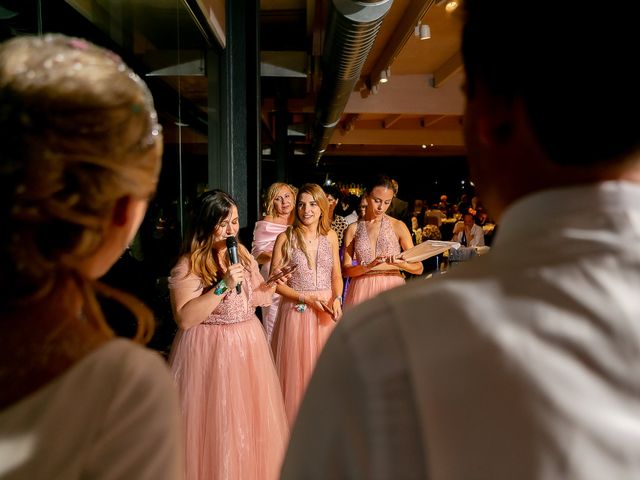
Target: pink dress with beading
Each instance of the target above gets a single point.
(234, 419)
(264, 237)
(366, 286)
(300, 336)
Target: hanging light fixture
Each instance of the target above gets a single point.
(423, 31)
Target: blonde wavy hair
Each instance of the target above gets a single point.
(212, 208)
(293, 233)
(78, 132)
(272, 193)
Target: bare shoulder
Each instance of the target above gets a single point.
(398, 225)
(351, 229)
(332, 236)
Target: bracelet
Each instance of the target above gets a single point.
(301, 306)
(221, 287)
(339, 298)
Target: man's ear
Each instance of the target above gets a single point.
(496, 124)
(121, 211)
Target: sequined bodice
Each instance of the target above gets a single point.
(304, 278)
(234, 307)
(386, 245)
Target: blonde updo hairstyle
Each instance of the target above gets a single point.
(79, 132)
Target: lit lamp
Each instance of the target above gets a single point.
(384, 76)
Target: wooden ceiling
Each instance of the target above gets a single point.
(418, 112)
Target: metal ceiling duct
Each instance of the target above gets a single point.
(352, 28)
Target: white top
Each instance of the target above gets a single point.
(352, 217)
(520, 364)
(477, 234)
(113, 415)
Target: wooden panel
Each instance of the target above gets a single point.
(215, 12)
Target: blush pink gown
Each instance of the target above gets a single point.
(300, 336)
(234, 419)
(366, 286)
(264, 237)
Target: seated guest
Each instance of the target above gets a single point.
(434, 216)
(468, 233)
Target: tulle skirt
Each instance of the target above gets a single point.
(235, 424)
(297, 342)
(365, 287)
(269, 314)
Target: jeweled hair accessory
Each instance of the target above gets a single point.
(155, 129)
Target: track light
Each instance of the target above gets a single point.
(425, 32)
(384, 78)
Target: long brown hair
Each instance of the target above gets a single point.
(212, 207)
(294, 232)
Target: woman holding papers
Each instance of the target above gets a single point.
(373, 247)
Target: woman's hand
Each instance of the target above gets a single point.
(375, 262)
(337, 309)
(234, 275)
(315, 303)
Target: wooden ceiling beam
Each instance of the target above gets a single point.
(390, 120)
(382, 136)
(349, 122)
(426, 124)
(445, 71)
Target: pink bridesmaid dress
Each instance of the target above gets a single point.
(264, 237)
(366, 286)
(234, 418)
(300, 335)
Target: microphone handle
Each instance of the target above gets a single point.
(233, 257)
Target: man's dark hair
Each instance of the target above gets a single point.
(572, 65)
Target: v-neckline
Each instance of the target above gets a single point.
(315, 262)
(373, 251)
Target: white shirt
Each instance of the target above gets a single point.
(352, 217)
(477, 235)
(520, 364)
(113, 415)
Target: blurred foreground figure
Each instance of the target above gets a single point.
(523, 363)
(80, 156)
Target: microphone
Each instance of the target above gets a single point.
(232, 248)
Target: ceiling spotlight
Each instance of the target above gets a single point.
(424, 146)
(374, 89)
(451, 6)
(425, 32)
(384, 78)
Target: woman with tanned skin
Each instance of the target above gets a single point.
(373, 246)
